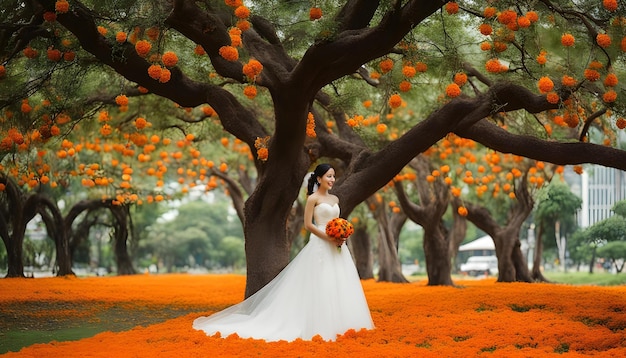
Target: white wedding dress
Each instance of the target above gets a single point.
(319, 292)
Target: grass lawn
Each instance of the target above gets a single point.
(151, 316)
(586, 278)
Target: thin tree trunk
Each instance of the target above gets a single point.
(593, 260)
(536, 273)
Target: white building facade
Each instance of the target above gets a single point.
(599, 188)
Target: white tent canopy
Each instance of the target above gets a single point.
(482, 243)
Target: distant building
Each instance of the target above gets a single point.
(599, 188)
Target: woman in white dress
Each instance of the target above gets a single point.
(318, 293)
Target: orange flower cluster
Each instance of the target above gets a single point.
(567, 40)
(310, 126)
(229, 53)
(404, 86)
(121, 37)
(13, 137)
(386, 65)
(409, 71)
(121, 100)
(143, 47)
(315, 13)
(541, 58)
(169, 59)
(485, 29)
(252, 69)
(495, 66)
(421, 67)
(54, 54)
(233, 3)
(610, 81)
(460, 78)
(568, 81)
(243, 25)
(490, 12)
(61, 6)
(523, 22)
(141, 123)
(250, 91)
(50, 16)
(412, 320)
(453, 90)
(507, 17)
(610, 5)
(261, 148)
(30, 52)
(395, 100)
(452, 7)
(153, 33)
(242, 12)
(591, 74)
(603, 40)
(339, 228)
(578, 169)
(199, 50)
(609, 96)
(545, 84)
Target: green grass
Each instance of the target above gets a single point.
(569, 278)
(586, 278)
(14, 340)
(25, 323)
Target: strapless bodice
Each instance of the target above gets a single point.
(324, 212)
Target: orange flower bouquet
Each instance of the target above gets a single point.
(339, 229)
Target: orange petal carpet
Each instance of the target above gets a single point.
(478, 318)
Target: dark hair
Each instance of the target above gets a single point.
(319, 171)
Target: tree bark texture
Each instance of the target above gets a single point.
(361, 249)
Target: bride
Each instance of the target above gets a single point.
(318, 293)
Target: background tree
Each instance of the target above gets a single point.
(609, 236)
(615, 251)
(556, 216)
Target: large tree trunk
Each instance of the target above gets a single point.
(122, 258)
(267, 213)
(437, 252)
(12, 225)
(52, 217)
(15, 261)
(361, 249)
(512, 265)
(434, 199)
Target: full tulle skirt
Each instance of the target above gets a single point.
(318, 293)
